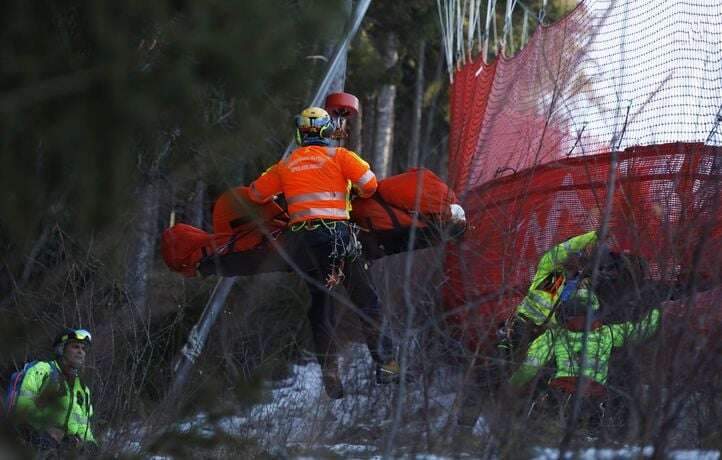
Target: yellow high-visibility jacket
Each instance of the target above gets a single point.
(549, 280)
(48, 400)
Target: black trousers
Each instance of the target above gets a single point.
(322, 253)
(488, 376)
(48, 448)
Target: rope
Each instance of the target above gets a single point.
(508, 31)
(459, 35)
(461, 29)
(487, 30)
(474, 16)
(444, 8)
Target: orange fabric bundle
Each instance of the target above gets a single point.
(396, 199)
(184, 246)
(401, 190)
(241, 225)
(234, 212)
(374, 214)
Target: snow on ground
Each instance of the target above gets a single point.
(299, 412)
(629, 452)
(297, 416)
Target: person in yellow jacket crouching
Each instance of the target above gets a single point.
(48, 402)
(563, 272)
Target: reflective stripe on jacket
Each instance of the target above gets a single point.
(316, 182)
(45, 403)
(548, 282)
(565, 347)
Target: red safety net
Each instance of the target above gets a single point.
(531, 136)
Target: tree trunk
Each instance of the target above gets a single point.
(196, 212)
(384, 136)
(35, 254)
(441, 156)
(146, 235)
(356, 129)
(413, 156)
(431, 113)
(368, 127)
(146, 229)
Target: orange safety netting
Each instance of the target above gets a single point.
(531, 136)
(665, 208)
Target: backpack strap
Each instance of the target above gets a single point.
(71, 402)
(55, 371)
(54, 375)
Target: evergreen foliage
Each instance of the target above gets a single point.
(90, 89)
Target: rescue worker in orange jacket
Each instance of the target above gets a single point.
(316, 180)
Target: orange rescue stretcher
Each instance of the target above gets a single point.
(247, 238)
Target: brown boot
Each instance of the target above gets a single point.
(332, 382)
(388, 373)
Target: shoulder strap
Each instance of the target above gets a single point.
(392, 215)
(83, 386)
(71, 400)
(55, 368)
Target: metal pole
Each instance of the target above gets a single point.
(338, 58)
(199, 334)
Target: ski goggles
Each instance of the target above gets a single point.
(79, 335)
